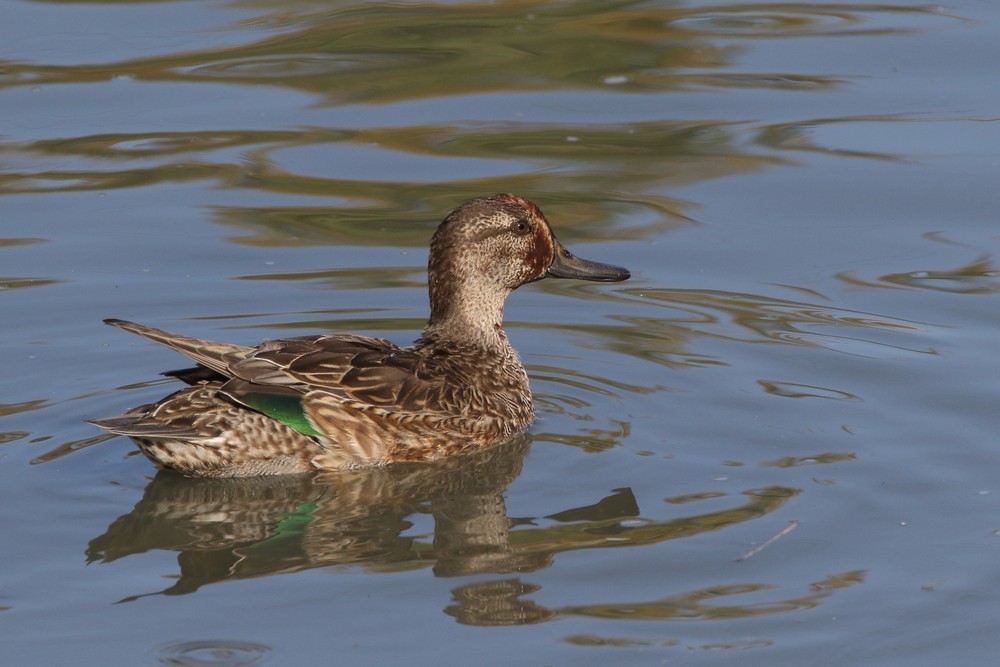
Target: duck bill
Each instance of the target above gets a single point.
(567, 265)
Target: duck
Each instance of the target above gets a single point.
(342, 401)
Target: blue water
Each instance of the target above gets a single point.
(804, 192)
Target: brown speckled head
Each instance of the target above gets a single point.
(487, 248)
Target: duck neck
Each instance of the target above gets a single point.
(467, 312)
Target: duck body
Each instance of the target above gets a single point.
(342, 401)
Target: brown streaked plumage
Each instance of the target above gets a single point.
(338, 401)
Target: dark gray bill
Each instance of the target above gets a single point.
(567, 265)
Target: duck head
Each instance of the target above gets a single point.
(486, 248)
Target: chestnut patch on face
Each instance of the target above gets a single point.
(539, 257)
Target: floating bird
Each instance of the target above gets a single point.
(342, 401)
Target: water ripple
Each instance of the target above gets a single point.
(213, 653)
(770, 20)
(411, 52)
(724, 315)
(281, 67)
(978, 277)
(796, 390)
(702, 604)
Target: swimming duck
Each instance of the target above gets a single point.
(342, 401)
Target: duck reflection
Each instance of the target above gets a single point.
(497, 603)
(238, 528)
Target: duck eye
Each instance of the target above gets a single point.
(521, 228)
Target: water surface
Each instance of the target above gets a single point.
(804, 192)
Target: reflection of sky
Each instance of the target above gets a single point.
(910, 137)
(373, 163)
(93, 33)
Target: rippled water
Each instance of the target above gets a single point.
(776, 444)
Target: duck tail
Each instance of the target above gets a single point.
(213, 355)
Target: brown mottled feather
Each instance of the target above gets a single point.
(196, 432)
(368, 401)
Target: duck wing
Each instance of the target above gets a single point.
(350, 368)
(345, 372)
